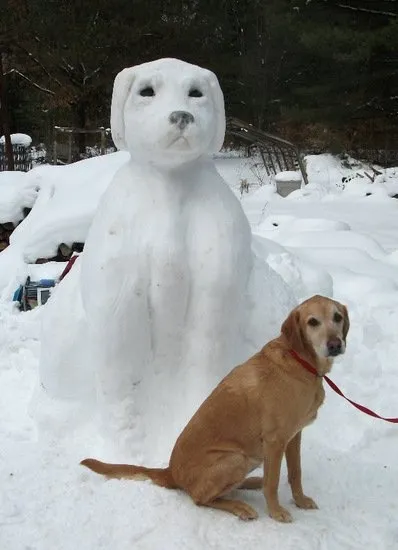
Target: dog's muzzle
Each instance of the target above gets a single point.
(181, 119)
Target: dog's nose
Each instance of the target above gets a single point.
(181, 119)
(334, 346)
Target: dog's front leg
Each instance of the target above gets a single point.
(272, 468)
(293, 460)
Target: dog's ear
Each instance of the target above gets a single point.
(218, 101)
(121, 89)
(293, 333)
(346, 322)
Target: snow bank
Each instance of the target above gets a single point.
(66, 203)
(63, 201)
(17, 191)
(333, 174)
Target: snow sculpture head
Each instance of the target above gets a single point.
(167, 112)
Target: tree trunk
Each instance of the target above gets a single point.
(4, 117)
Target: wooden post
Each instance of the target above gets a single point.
(55, 152)
(69, 147)
(4, 116)
(102, 141)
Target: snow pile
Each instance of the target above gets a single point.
(18, 139)
(63, 201)
(68, 198)
(17, 191)
(333, 174)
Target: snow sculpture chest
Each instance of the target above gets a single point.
(168, 257)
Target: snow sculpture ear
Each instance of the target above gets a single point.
(218, 102)
(121, 89)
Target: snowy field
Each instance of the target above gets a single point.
(329, 238)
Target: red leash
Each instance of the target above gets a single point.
(335, 388)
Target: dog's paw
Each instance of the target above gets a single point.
(281, 514)
(306, 503)
(246, 512)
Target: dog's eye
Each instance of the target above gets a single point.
(194, 92)
(313, 322)
(337, 318)
(148, 91)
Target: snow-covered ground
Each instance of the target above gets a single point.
(333, 238)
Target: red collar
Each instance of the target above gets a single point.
(336, 389)
(305, 364)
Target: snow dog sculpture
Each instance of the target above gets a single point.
(168, 256)
(165, 272)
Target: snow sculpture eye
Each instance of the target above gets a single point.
(195, 92)
(148, 91)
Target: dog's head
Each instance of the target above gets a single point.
(167, 112)
(318, 326)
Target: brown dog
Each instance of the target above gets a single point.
(255, 415)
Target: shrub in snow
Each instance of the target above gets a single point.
(167, 270)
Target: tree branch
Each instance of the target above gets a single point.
(39, 63)
(366, 10)
(34, 84)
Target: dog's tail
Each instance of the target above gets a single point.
(159, 476)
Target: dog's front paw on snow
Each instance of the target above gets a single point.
(306, 503)
(246, 512)
(281, 514)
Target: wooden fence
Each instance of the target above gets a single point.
(22, 158)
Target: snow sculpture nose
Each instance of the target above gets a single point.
(181, 118)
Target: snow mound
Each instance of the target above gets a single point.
(62, 199)
(65, 205)
(18, 139)
(350, 177)
(334, 239)
(295, 225)
(17, 191)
